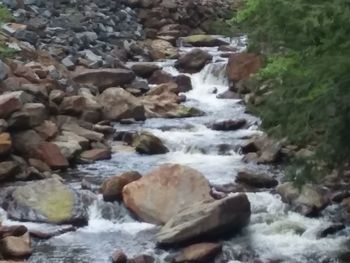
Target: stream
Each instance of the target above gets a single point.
(274, 234)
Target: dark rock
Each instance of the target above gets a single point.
(256, 179)
(229, 125)
(193, 61)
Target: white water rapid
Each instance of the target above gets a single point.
(274, 234)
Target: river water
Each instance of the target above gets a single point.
(275, 234)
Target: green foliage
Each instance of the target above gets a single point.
(5, 16)
(307, 43)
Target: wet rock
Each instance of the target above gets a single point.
(119, 257)
(309, 200)
(206, 220)
(31, 115)
(95, 155)
(241, 65)
(50, 234)
(112, 188)
(228, 125)
(105, 78)
(48, 201)
(165, 191)
(203, 41)
(256, 179)
(144, 70)
(119, 104)
(5, 143)
(142, 259)
(228, 95)
(147, 143)
(184, 83)
(17, 231)
(16, 246)
(331, 229)
(267, 149)
(159, 77)
(202, 252)
(193, 61)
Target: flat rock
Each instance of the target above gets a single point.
(206, 220)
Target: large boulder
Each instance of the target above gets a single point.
(105, 78)
(147, 143)
(165, 191)
(47, 201)
(241, 65)
(119, 104)
(205, 220)
(161, 49)
(203, 41)
(193, 61)
(112, 188)
(307, 200)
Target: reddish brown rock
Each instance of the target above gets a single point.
(11, 102)
(241, 65)
(51, 155)
(159, 77)
(165, 191)
(73, 105)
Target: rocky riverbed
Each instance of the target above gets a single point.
(125, 138)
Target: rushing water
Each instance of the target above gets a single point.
(274, 232)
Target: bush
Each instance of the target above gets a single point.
(307, 43)
(5, 16)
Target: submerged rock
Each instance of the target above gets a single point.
(147, 143)
(258, 180)
(48, 201)
(193, 61)
(165, 191)
(202, 252)
(308, 200)
(206, 220)
(228, 125)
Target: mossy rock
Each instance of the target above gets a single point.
(48, 201)
(185, 112)
(204, 41)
